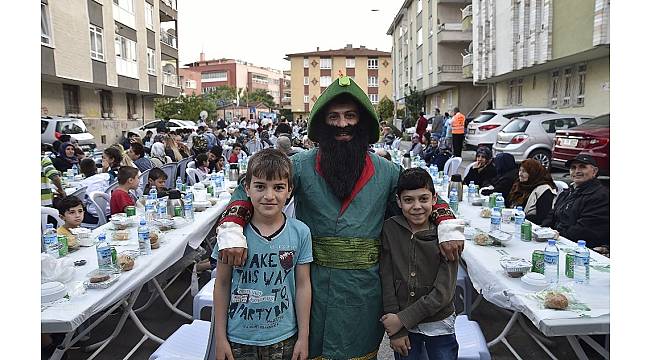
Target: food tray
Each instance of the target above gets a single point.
(499, 236)
(515, 266)
(482, 239)
(543, 234)
(114, 275)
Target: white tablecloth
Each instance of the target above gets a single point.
(68, 315)
(497, 287)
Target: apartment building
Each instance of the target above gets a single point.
(312, 72)
(543, 53)
(106, 61)
(430, 40)
(286, 90)
(209, 74)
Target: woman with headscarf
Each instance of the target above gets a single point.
(416, 147)
(506, 176)
(430, 147)
(483, 171)
(534, 190)
(158, 157)
(171, 149)
(126, 160)
(66, 157)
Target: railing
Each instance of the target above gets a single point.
(467, 59)
(467, 11)
(450, 27)
(450, 69)
(170, 79)
(167, 38)
(170, 3)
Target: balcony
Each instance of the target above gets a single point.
(167, 38)
(467, 66)
(457, 2)
(466, 13)
(170, 3)
(453, 33)
(450, 73)
(168, 10)
(170, 79)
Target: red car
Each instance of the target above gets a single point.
(591, 137)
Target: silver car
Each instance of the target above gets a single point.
(531, 137)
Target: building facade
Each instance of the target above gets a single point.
(312, 72)
(106, 61)
(204, 76)
(543, 53)
(431, 39)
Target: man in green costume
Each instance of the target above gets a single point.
(341, 192)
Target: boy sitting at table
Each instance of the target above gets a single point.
(127, 179)
(157, 178)
(263, 307)
(418, 283)
(71, 211)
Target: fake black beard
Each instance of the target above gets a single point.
(341, 162)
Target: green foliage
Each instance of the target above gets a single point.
(258, 95)
(184, 107)
(287, 113)
(414, 104)
(400, 113)
(385, 108)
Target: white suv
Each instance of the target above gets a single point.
(484, 128)
(172, 124)
(52, 127)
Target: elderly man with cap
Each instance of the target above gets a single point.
(582, 211)
(341, 192)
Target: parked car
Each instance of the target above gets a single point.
(532, 136)
(52, 127)
(484, 128)
(172, 124)
(591, 138)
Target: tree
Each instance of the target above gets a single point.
(385, 108)
(184, 107)
(414, 104)
(258, 95)
(222, 95)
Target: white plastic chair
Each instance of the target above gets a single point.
(193, 176)
(467, 169)
(204, 297)
(111, 187)
(101, 202)
(170, 171)
(191, 164)
(451, 166)
(189, 342)
(48, 211)
(80, 193)
(560, 185)
(180, 171)
(471, 342)
(290, 209)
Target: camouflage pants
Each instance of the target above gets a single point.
(282, 350)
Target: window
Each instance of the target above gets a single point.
(306, 99)
(71, 99)
(582, 75)
(96, 43)
(190, 84)
(260, 79)
(106, 101)
(148, 15)
(326, 63)
(373, 98)
(450, 99)
(372, 63)
(349, 62)
(305, 80)
(123, 12)
(131, 100)
(325, 81)
(305, 63)
(555, 87)
(213, 76)
(565, 123)
(520, 91)
(151, 61)
(566, 98)
(430, 60)
(419, 37)
(418, 69)
(515, 91)
(126, 55)
(46, 29)
(372, 81)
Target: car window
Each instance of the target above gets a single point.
(549, 126)
(73, 126)
(485, 116)
(172, 124)
(565, 123)
(516, 125)
(151, 125)
(43, 126)
(595, 123)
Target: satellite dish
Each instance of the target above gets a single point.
(203, 115)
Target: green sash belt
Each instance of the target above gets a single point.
(346, 252)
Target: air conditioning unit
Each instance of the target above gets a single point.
(134, 116)
(104, 115)
(111, 115)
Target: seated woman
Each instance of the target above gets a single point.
(171, 149)
(416, 147)
(202, 166)
(431, 147)
(111, 160)
(535, 191)
(483, 171)
(507, 173)
(66, 158)
(158, 157)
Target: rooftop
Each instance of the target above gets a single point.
(348, 50)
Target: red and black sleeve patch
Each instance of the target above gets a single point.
(441, 211)
(239, 212)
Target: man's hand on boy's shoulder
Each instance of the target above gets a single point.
(300, 349)
(452, 249)
(392, 323)
(401, 345)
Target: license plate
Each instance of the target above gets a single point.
(569, 142)
(471, 131)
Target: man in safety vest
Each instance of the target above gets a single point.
(457, 131)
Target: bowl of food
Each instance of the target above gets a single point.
(179, 221)
(478, 201)
(514, 266)
(486, 212)
(120, 221)
(543, 234)
(499, 236)
(83, 236)
(121, 235)
(481, 238)
(163, 224)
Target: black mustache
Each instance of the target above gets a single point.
(347, 130)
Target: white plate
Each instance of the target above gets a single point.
(534, 281)
(52, 291)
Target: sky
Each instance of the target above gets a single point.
(262, 32)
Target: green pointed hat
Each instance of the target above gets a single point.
(344, 85)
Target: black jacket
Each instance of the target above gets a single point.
(582, 214)
(503, 184)
(483, 178)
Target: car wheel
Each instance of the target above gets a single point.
(543, 156)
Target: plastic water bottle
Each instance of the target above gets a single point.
(179, 184)
(243, 166)
(445, 181)
(144, 244)
(104, 253)
(471, 192)
(520, 216)
(188, 207)
(433, 169)
(75, 170)
(495, 219)
(221, 184)
(552, 262)
(500, 202)
(581, 264)
(162, 208)
(453, 200)
(51, 241)
(214, 180)
(153, 193)
(150, 205)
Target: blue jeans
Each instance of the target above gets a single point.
(443, 347)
